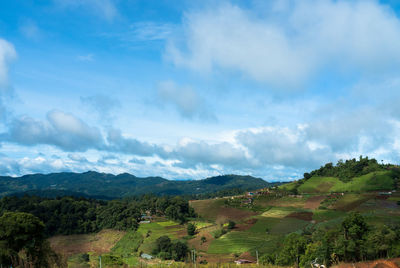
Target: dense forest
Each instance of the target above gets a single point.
(351, 241)
(26, 222)
(73, 215)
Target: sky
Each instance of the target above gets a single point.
(192, 89)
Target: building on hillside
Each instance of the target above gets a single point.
(145, 217)
(146, 256)
(242, 261)
(248, 201)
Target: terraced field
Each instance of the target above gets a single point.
(260, 226)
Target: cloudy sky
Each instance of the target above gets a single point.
(190, 89)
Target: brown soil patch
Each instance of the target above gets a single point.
(247, 256)
(217, 258)
(324, 187)
(305, 216)
(173, 226)
(246, 225)
(391, 263)
(206, 232)
(100, 243)
(314, 202)
(345, 205)
(228, 213)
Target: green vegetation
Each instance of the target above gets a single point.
(128, 244)
(353, 240)
(346, 170)
(231, 225)
(22, 240)
(375, 181)
(71, 215)
(191, 229)
(167, 250)
(107, 186)
(327, 216)
(353, 175)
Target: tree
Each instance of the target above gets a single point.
(352, 243)
(19, 232)
(191, 229)
(231, 225)
(294, 247)
(180, 251)
(163, 244)
(203, 239)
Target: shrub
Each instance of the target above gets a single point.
(231, 225)
(191, 229)
(219, 233)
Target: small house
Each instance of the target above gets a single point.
(146, 256)
(242, 261)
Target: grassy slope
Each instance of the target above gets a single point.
(374, 181)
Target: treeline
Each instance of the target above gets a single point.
(73, 215)
(354, 240)
(345, 170)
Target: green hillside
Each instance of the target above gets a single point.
(362, 175)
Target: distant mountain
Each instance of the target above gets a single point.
(104, 185)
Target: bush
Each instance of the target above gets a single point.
(164, 255)
(231, 225)
(191, 229)
(219, 233)
(167, 250)
(109, 259)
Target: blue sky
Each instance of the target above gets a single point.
(191, 89)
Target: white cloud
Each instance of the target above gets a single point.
(103, 105)
(116, 142)
(150, 31)
(185, 99)
(60, 129)
(285, 46)
(282, 146)
(7, 54)
(192, 153)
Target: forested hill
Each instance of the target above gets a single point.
(353, 175)
(105, 186)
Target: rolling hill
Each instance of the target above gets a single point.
(108, 186)
(362, 175)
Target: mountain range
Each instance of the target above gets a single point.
(107, 186)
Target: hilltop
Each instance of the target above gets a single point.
(109, 186)
(362, 175)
